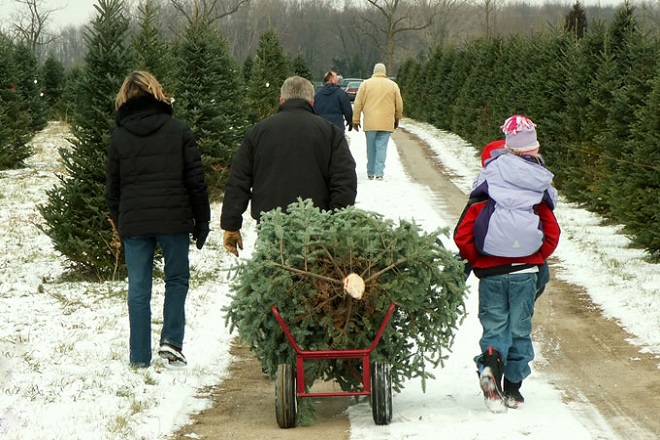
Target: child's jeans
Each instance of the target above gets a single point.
(506, 307)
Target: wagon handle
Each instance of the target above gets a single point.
(379, 334)
(381, 330)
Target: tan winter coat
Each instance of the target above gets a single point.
(379, 100)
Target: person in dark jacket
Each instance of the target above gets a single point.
(157, 195)
(332, 103)
(289, 155)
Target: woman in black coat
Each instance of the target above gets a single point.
(157, 194)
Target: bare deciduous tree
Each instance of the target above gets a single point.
(209, 10)
(397, 17)
(30, 28)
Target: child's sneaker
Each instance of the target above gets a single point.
(172, 355)
(512, 397)
(490, 380)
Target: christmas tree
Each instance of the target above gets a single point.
(307, 262)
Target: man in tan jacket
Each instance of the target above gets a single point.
(379, 102)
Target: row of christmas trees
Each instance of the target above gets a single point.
(594, 97)
(215, 96)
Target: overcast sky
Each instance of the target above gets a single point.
(64, 12)
(77, 12)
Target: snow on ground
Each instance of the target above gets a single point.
(64, 345)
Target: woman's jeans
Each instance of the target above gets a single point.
(376, 152)
(139, 252)
(506, 307)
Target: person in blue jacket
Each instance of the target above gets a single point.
(332, 103)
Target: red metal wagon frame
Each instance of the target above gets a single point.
(364, 354)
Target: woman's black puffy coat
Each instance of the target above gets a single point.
(155, 182)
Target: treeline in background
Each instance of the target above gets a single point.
(462, 66)
(592, 88)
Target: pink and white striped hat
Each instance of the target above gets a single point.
(520, 135)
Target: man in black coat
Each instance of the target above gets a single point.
(292, 154)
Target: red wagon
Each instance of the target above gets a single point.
(376, 378)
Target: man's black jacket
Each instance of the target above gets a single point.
(292, 154)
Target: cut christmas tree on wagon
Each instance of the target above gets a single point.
(333, 276)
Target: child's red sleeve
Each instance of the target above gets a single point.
(464, 233)
(551, 231)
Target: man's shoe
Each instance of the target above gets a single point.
(379, 177)
(512, 397)
(490, 380)
(172, 356)
(370, 177)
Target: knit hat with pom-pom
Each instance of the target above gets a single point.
(520, 135)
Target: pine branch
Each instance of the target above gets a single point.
(382, 271)
(306, 273)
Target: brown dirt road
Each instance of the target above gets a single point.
(587, 356)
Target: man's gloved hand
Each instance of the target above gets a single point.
(350, 127)
(232, 241)
(200, 233)
(356, 127)
(396, 123)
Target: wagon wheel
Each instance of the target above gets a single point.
(286, 402)
(381, 393)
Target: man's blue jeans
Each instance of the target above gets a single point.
(139, 252)
(506, 307)
(376, 152)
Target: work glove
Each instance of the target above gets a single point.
(232, 241)
(356, 127)
(396, 123)
(200, 233)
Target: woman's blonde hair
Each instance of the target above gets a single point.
(140, 83)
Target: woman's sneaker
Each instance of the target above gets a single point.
(172, 356)
(512, 397)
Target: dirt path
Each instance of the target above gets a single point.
(587, 354)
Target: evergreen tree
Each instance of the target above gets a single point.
(445, 99)
(301, 68)
(28, 87)
(412, 92)
(576, 21)
(14, 119)
(637, 62)
(430, 88)
(153, 53)
(271, 67)
(76, 215)
(434, 91)
(65, 106)
(453, 83)
(209, 97)
(473, 121)
(403, 73)
(53, 77)
(577, 162)
(639, 210)
(546, 79)
(247, 69)
(606, 80)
